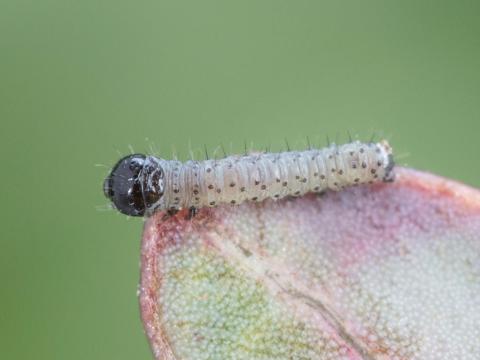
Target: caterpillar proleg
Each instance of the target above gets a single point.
(139, 185)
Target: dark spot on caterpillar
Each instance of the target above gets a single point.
(304, 180)
(233, 202)
(209, 170)
(351, 153)
(322, 177)
(362, 150)
(333, 170)
(255, 198)
(232, 184)
(219, 191)
(276, 196)
(257, 182)
(373, 171)
(210, 187)
(278, 180)
(335, 183)
(176, 191)
(364, 164)
(242, 189)
(197, 199)
(340, 172)
(284, 183)
(297, 177)
(379, 163)
(354, 165)
(263, 187)
(297, 193)
(330, 156)
(195, 192)
(212, 203)
(356, 180)
(315, 174)
(316, 188)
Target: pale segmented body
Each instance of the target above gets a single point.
(172, 185)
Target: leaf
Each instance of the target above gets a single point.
(388, 271)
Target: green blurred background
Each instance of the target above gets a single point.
(80, 81)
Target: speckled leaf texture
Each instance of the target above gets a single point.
(387, 271)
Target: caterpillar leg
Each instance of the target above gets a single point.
(192, 212)
(169, 213)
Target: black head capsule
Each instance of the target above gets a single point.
(135, 184)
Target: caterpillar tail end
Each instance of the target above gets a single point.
(389, 175)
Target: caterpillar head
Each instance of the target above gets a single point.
(135, 184)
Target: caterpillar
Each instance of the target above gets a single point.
(139, 185)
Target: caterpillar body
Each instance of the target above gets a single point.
(139, 185)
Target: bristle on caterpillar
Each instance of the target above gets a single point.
(139, 185)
